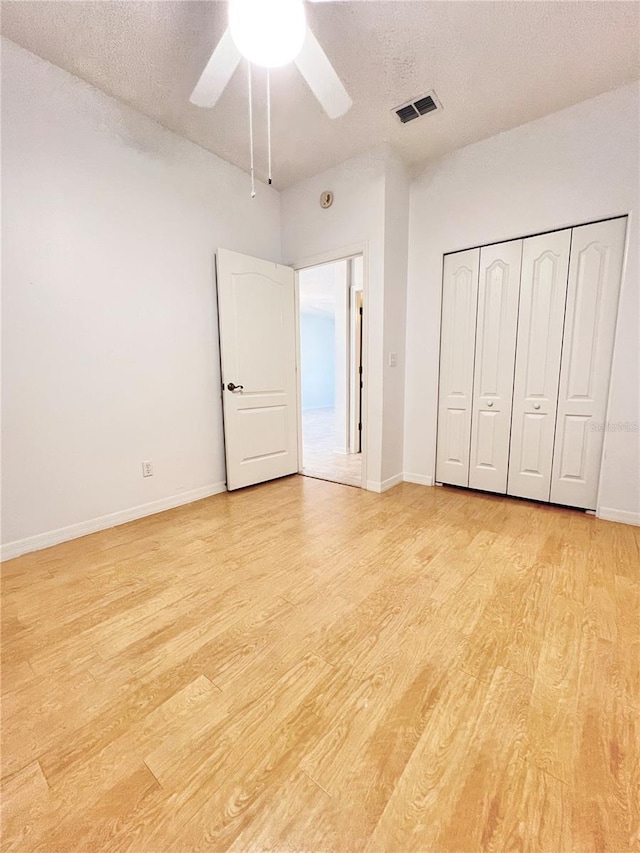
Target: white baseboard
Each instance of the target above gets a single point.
(419, 479)
(103, 522)
(385, 485)
(621, 515)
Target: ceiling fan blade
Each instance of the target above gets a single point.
(217, 73)
(322, 78)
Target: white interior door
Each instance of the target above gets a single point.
(258, 356)
(543, 288)
(457, 342)
(595, 272)
(498, 292)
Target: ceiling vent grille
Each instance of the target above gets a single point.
(417, 107)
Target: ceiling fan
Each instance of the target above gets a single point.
(271, 33)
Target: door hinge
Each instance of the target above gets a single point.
(360, 427)
(360, 370)
(360, 310)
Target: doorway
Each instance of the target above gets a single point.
(331, 312)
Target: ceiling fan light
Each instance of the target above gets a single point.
(267, 32)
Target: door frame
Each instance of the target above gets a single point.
(356, 342)
(344, 254)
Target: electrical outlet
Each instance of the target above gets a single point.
(147, 469)
(393, 359)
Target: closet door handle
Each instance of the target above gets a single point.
(536, 405)
(490, 403)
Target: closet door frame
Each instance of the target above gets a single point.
(623, 215)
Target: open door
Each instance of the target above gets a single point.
(356, 371)
(257, 321)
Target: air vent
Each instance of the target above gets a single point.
(407, 113)
(417, 107)
(425, 105)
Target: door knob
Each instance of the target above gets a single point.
(232, 387)
(489, 403)
(536, 405)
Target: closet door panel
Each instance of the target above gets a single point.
(498, 292)
(457, 341)
(543, 289)
(595, 273)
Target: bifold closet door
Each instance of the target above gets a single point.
(457, 341)
(543, 290)
(595, 273)
(498, 292)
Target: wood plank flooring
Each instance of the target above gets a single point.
(303, 666)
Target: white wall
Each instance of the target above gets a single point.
(395, 308)
(110, 353)
(574, 166)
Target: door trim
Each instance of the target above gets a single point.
(356, 374)
(343, 254)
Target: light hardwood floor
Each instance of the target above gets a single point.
(303, 666)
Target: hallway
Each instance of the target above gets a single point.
(319, 457)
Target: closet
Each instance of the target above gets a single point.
(525, 357)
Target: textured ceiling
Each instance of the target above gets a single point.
(493, 65)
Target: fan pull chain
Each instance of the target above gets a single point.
(253, 181)
(269, 121)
